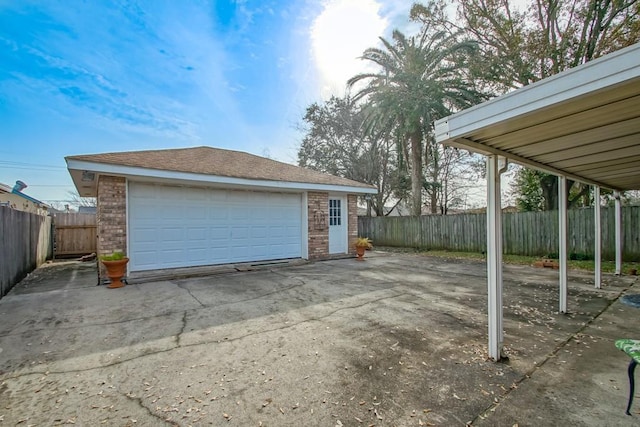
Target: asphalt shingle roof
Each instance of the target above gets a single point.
(218, 162)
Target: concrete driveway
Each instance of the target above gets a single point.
(398, 340)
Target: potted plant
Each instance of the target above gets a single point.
(116, 265)
(362, 244)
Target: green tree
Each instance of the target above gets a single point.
(528, 193)
(450, 176)
(521, 46)
(531, 193)
(337, 142)
(419, 79)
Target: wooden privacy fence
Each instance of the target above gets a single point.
(524, 233)
(75, 234)
(25, 243)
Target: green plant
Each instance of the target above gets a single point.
(576, 256)
(116, 256)
(363, 242)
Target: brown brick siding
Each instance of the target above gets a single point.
(352, 203)
(318, 225)
(111, 216)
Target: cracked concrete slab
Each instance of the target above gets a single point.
(398, 340)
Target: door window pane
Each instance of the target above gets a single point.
(335, 217)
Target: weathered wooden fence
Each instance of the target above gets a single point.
(75, 234)
(25, 243)
(525, 233)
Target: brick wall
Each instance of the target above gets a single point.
(352, 203)
(111, 216)
(318, 226)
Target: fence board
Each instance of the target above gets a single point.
(25, 243)
(524, 233)
(75, 234)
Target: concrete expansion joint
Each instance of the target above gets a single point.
(181, 286)
(182, 329)
(48, 372)
(289, 325)
(86, 325)
(138, 400)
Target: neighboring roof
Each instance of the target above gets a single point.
(583, 123)
(87, 209)
(4, 188)
(192, 163)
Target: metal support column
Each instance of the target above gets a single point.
(494, 257)
(618, 227)
(562, 247)
(597, 237)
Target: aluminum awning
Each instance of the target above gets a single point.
(583, 123)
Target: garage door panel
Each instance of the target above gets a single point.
(182, 226)
(168, 235)
(146, 258)
(219, 233)
(197, 254)
(218, 213)
(171, 212)
(238, 214)
(174, 254)
(219, 253)
(259, 250)
(196, 213)
(195, 234)
(276, 232)
(144, 235)
(259, 232)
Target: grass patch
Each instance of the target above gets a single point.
(588, 265)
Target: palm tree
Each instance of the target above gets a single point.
(420, 79)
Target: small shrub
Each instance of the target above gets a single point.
(116, 256)
(363, 242)
(579, 257)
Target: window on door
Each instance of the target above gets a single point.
(335, 212)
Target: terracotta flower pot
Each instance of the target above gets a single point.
(116, 270)
(360, 252)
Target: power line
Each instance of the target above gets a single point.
(29, 166)
(50, 185)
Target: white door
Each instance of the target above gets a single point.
(337, 225)
(171, 226)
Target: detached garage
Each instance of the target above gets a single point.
(204, 206)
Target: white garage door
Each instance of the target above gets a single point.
(171, 226)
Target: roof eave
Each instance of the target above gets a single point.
(89, 188)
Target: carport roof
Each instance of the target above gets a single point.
(583, 123)
(205, 164)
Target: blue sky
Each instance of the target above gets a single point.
(79, 77)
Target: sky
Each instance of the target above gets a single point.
(84, 77)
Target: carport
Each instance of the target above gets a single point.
(582, 124)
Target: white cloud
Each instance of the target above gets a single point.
(339, 35)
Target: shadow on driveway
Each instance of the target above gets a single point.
(397, 340)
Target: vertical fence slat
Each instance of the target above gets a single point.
(525, 233)
(25, 242)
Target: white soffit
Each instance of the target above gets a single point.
(583, 123)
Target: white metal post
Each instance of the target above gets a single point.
(618, 226)
(494, 258)
(562, 249)
(597, 237)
